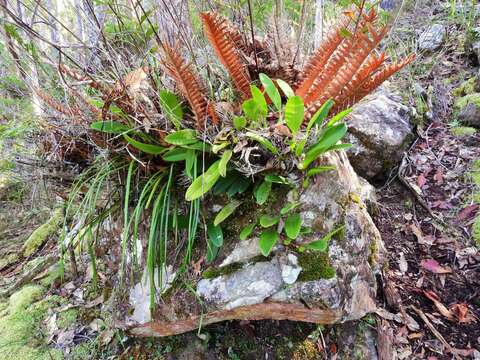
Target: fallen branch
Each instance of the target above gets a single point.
(30, 275)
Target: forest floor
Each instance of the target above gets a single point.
(429, 298)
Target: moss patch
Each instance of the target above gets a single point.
(67, 318)
(476, 231)
(462, 102)
(212, 272)
(41, 234)
(316, 265)
(468, 87)
(463, 131)
(20, 331)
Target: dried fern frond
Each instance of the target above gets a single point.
(188, 82)
(373, 82)
(217, 32)
(83, 78)
(55, 105)
(319, 58)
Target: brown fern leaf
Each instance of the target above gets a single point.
(319, 58)
(84, 78)
(188, 82)
(55, 105)
(360, 52)
(370, 66)
(213, 113)
(377, 79)
(216, 31)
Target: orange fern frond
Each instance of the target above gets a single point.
(376, 80)
(55, 105)
(318, 60)
(188, 82)
(217, 33)
(83, 78)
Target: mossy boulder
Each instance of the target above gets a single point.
(468, 87)
(42, 233)
(460, 131)
(21, 327)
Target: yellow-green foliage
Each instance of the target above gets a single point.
(467, 87)
(463, 131)
(40, 235)
(476, 231)
(316, 265)
(20, 327)
(467, 99)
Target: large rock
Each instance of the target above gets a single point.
(379, 130)
(320, 287)
(432, 38)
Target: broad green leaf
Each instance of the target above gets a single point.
(239, 122)
(176, 154)
(293, 225)
(222, 168)
(319, 169)
(224, 183)
(322, 244)
(264, 142)
(287, 90)
(330, 137)
(271, 90)
(340, 147)
(182, 137)
(251, 110)
(262, 192)
(203, 183)
(267, 220)
(247, 230)
(146, 148)
(189, 162)
(339, 117)
(215, 234)
(294, 112)
(171, 106)
(217, 147)
(240, 184)
(110, 127)
(274, 178)
(212, 252)
(226, 212)
(289, 207)
(320, 116)
(259, 99)
(268, 239)
(199, 145)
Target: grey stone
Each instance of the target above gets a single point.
(379, 130)
(432, 38)
(470, 115)
(251, 285)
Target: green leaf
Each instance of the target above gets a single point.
(251, 110)
(274, 178)
(262, 192)
(264, 142)
(215, 235)
(217, 147)
(259, 99)
(240, 184)
(239, 122)
(146, 148)
(287, 90)
(171, 106)
(182, 137)
(203, 183)
(320, 116)
(294, 112)
(289, 207)
(226, 212)
(199, 145)
(110, 127)
(293, 225)
(247, 230)
(319, 169)
(222, 167)
(329, 138)
(267, 241)
(212, 252)
(339, 117)
(176, 154)
(189, 162)
(340, 147)
(267, 220)
(271, 90)
(322, 244)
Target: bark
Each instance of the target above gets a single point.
(319, 11)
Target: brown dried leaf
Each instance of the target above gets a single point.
(433, 266)
(467, 212)
(442, 309)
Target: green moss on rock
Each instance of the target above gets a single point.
(462, 102)
(476, 231)
(315, 265)
(463, 131)
(212, 272)
(41, 234)
(466, 88)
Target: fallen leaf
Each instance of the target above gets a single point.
(442, 309)
(197, 266)
(402, 263)
(106, 336)
(421, 181)
(462, 314)
(418, 233)
(433, 266)
(467, 212)
(438, 177)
